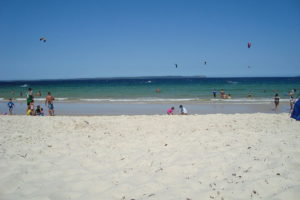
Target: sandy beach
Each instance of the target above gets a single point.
(149, 100)
(217, 156)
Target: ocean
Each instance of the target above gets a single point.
(172, 89)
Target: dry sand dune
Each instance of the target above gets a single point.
(218, 156)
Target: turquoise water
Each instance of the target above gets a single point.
(144, 89)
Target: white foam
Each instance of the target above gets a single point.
(39, 99)
(20, 99)
(250, 100)
(232, 82)
(137, 100)
(42, 99)
(61, 98)
(94, 100)
(56, 98)
(150, 100)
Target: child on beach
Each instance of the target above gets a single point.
(38, 110)
(183, 110)
(28, 111)
(30, 108)
(42, 112)
(11, 106)
(170, 111)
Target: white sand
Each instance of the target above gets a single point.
(241, 156)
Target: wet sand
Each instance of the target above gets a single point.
(79, 108)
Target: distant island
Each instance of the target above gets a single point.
(109, 78)
(143, 77)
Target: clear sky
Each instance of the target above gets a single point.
(147, 37)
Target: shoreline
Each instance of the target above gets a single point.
(141, 108)
(155, 100)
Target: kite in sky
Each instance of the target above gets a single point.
(43, 39)
(249, 45)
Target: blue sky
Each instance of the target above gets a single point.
(143, 38)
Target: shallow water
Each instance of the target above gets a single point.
(144, 89)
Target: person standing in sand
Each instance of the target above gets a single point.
(11, 106)
(276, 101)
(29, 96)
(292, 103)
(49, 101)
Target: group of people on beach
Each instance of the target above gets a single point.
(291, 94)
(39, 111)
(31, 109)
(292, 100)
(182, 110)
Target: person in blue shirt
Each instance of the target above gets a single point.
(214, 93)
(11, 106)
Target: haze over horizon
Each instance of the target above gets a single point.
(87, 39)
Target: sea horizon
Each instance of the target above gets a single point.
(143, 77)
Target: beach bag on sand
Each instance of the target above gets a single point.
(296, 111)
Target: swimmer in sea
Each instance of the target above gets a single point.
(39, 94)
(222, 94)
